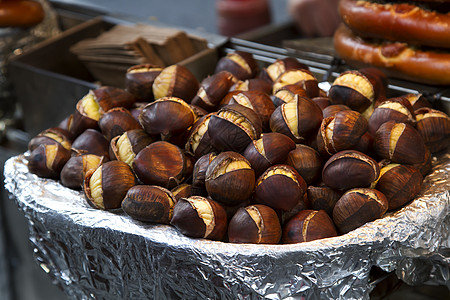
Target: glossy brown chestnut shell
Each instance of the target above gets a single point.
(323, 102)
(323, 198)
(287, 94)
(92, 142)
(75, 169)
(280, 187)
(47, 160)
(199, 140)
(397, 109)
(183, 190)
(167, 116)
(109, 97)
(199, 174)
(162, 163)
(298, 119)
(49, 136)
(308, 225)
(255, 224)
(239, 63)
(279, 66)
(106, 187)
(434, 127)
(426, 166)
(417, 101)
(399, 183)
(139, 81)
(229, 178)
(400, 143)
(350, 169)
(253, 84)
(200, 217)
(213, 89)
(357, 207)
(306, 161)
(331, 110)
(302, 77)
(341, 131)
(234, 127)
(149, 203)
(116, 121)
(175, 81)
(272, 148)
(353, 89)
(126, 146)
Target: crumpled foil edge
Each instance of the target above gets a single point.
(94, 254)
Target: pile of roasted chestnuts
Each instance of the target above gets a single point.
(250, 154)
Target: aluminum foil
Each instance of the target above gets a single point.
(94, 254)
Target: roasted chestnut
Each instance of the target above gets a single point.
(280, 187)
(241, 64)
(426, 166)
(417, 101)
(167, 116)
(306, 161)
(255, 224)
(200, 217)
(106, 186)
(281, 65)
(301, 77)
(350, 169)
(86, 115)
(230, 178)
(272, 148)
(183, 190)
(399, 183)
(199, 174)
(308, 225)
(199, 141)
(52, 135)
(400, 143)
(341, 131)
(234, 127)
(149, 203)
(358, 207)
(323, 197)
(162, 163)
(213, 89)
(126, 146)
(139, 81)
(175, 81)
(298, 119)
(47, 160)
(323, 102)
(353, 89)
(287, 94)
(92, 142)
(75, 169)
(397, 109)
(331, 110)
(434, 127)
(253, 84)
(116, 121)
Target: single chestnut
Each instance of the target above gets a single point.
(306, 161)
(400, 143)
(341, 131)
(162, 163)
(149, 203)
(47, 160)
(239, 63)
(213, 89)
(308, 225)
(234, 127)
(323, 198)
(298, 119)
(139, 81)
(167, 116)
(116, 121)
(54, 135)
(302, 77)
(350, 169)
(183, 190)
(272, 148)
(108, 97)
(280, 187)
(358, 207)
(399, 183)
(92, 141)
(279, 66)
(75, 169)
(229, 178)
(106, 187)
(434, 127)
(287, 94)
(199, 174)
(397, 109)
(126, 146)
(253, 84)
(199, 140)
(255, 224)
(200, 217)
(86, 115)
(353, 89)
(175, 81)
(417, 101)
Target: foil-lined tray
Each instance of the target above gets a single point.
(94, 254)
